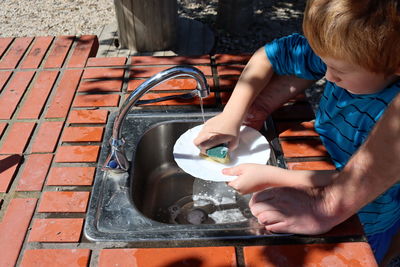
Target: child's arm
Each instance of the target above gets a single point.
(257, 93)
(225, 127)
(255, 177)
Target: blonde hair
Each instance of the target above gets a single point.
(365, 33)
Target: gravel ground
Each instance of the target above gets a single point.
(54, 17)
(271, 19)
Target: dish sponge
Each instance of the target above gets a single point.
(217, 153)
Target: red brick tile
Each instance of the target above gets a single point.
(339, 254)
(152, 257)
(13, 93)
(173, 60)
(96, 101)
(3, 126)
(47, 137)
(55, 257)
(98, 86)
(61, 102)
(34, 173)
(64, 202)
(77, 154)
(228, 83)
(103, 73)
(105, 61)
(86, 46)
(230, 70)
(88, 116)
(4, 76)
(210, 100)
(56, 230)
(83, 134)
(17, 138)
(232, 59)
(35, 101)
(64, 176)
(9, 165)
(294, 111)
(311, 165)
(36, 53)
(145, 72)
(59, 52)
(296, 129)
(17, 50)
(174, 84)
(13, 229)
(303, 148)
(4, 43)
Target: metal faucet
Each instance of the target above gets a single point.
(117, 160)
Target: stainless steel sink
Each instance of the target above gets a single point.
(165, 193)
(156, 200)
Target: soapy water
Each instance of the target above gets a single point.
(211, 203)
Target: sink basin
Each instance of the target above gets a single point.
(163, 192)
(156, 200)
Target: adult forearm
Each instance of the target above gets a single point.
(373, 169)
(279, 90)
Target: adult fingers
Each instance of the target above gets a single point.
(279, 227)
(270, 217)
(264, 195)
(259, 207)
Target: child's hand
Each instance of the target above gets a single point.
(251, 177)
(218, 130)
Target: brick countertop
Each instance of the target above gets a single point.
(55, 98)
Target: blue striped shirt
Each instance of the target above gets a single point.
(343, 120)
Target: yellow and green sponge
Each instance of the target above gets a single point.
(219, 153)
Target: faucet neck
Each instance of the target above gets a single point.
(174, 72)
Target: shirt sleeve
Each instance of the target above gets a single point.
(292, 55)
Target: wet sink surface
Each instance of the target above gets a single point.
(156, 200)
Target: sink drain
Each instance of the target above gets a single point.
(184, 211)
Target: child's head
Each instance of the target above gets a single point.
(361, 32)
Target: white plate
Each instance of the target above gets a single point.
(253, 148)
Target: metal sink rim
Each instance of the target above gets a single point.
(158, 231)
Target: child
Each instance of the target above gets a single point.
(355, 45)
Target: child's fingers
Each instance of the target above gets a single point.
(233, 144)
(233, 171)
(237, 183)
(205, 142)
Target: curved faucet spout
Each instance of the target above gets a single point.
(117, 160)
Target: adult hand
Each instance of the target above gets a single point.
(278, 91)
(296, 210)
